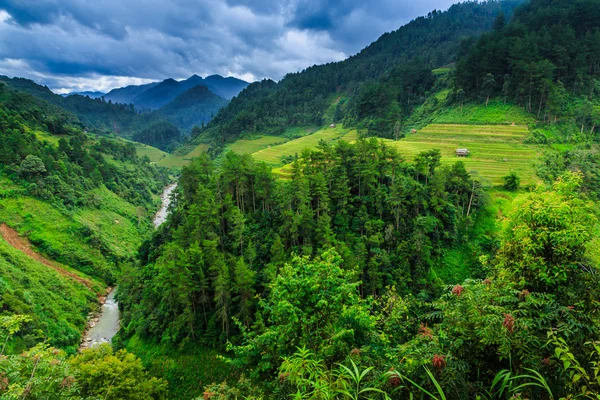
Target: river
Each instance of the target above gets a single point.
(103, 328)
(161, 215)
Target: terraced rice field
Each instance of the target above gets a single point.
(249, 146)
(494, 150)
(284, 172)
(272, 155)
(153, 153)
(201, 148)
(175, 160)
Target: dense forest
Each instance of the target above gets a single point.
(355, 271)
(324, 285)
(237, 226)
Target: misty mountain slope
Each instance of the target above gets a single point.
(194, 107)
(125, 95)
(90, 94)
(227, 88)
(300, 99)
(155, 95)
(159, 95)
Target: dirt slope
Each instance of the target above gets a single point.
(12, 238)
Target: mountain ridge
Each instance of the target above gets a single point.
(302, 98)
(154, 95)
(90, 94)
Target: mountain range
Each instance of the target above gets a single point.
(154, 95)
(194, 107)
(90, 94)
(185, 104)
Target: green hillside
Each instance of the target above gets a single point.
(302, 98)
(325, 239)
(83, 202)
(58, 304)
(153, 154)
(273, 154)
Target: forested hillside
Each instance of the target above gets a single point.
(94, 114)
(344, 274)
(302, 99)
(194, 107)
(81, 201)
(545, 57)
(431, 229)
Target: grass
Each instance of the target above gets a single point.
(441, 71)
(273, 154)
(57, 304)
(186, 369)
(249, 146)
(462, 261)
(54, 234)
(246, 145)
(48, 137)
(201, 148)
(90, 240)
(154, 154)
(283, 172)
(296, 132)
(178, 160)
(495, 150)
(497, 112)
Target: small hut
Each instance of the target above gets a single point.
(332, 126)
(462, 152)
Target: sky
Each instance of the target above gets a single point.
(77, 45)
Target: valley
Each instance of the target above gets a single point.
(419, 218)
(102, 327)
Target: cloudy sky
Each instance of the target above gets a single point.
(74, 45)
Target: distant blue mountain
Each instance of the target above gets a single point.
(125, 95)
(157, 94)
(92, 95)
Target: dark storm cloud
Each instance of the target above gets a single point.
(85, 44)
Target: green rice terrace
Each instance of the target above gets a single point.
(272, 155)
(494, 150)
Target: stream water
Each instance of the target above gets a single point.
(106, 325)
(103, 328)
(161, 215)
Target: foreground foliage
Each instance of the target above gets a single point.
(43, 372)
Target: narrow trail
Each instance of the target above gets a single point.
(16, 241)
